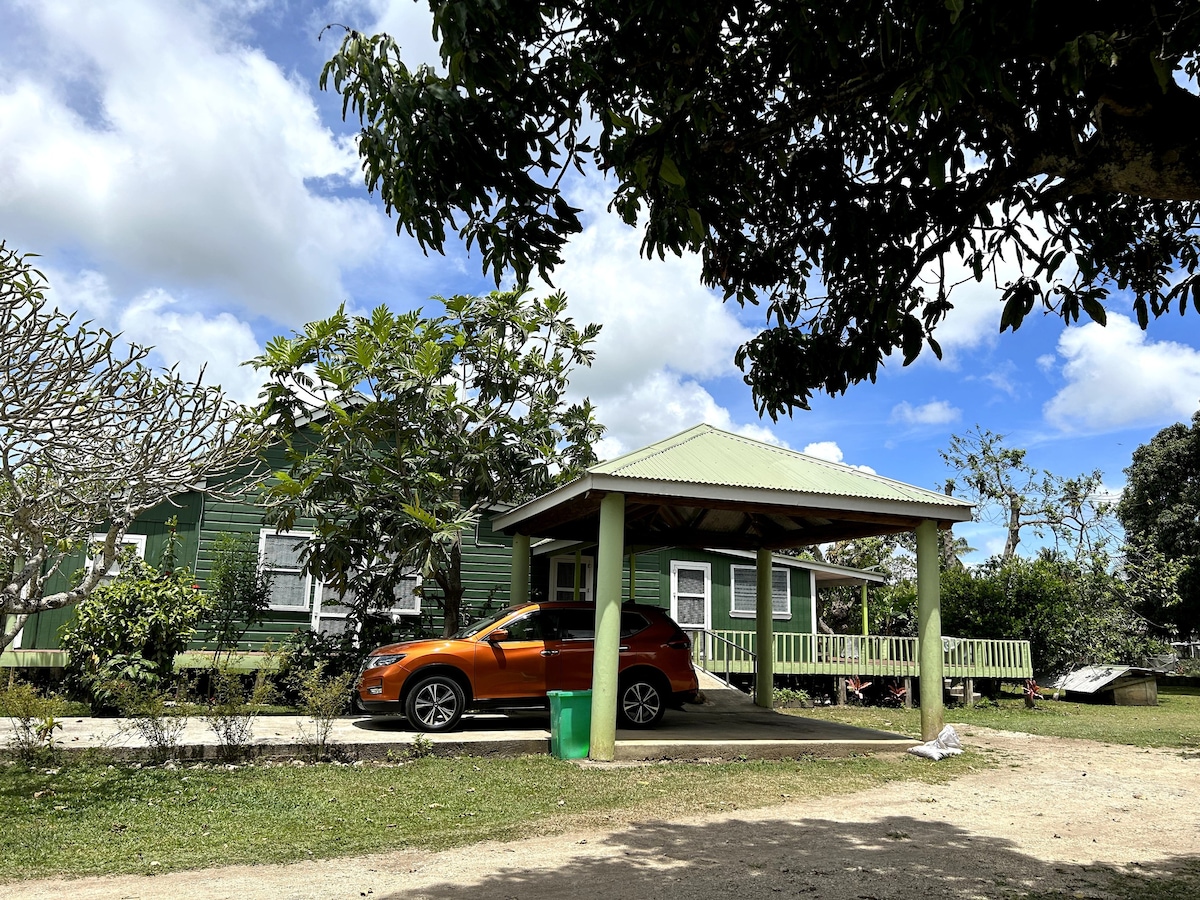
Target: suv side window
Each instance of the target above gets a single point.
(632, 623)
(578, 624)
(539, 625)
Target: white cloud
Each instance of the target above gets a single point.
(218, 344)
(662, 334)
(170, 154)
(831, 452)
(935, 412)
(1116, 377)
(659, 406)
(655, 313)
(826, 450)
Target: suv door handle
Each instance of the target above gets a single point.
(624, 647)
(549, 653)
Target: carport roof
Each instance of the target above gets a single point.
(708, 488)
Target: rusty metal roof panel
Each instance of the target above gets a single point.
(707, 455)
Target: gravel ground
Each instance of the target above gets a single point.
(1052, 815)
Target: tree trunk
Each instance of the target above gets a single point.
(1014, 526)
(452, 589)
(7, 633)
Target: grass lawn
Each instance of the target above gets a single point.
(89, 818)
(1175, 722)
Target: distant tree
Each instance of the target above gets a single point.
(892, 605)
(1160, 512)
(1074, 612)
(845, 164)
(416, 424)
(90, 438)
(1009, 492)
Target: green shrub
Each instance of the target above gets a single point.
(796, 696)
(126, 634)
(309, 651)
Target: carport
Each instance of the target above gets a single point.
(709, 488)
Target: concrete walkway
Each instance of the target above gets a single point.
(727, 726)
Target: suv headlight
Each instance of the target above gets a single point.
(378, 662)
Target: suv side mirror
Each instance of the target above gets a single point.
(500, 634)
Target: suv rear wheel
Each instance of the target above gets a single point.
(641, 701)
(435, 704)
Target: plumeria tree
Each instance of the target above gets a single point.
(90, 437)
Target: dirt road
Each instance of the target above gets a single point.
(1051, 815)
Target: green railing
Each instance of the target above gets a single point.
(850, 654)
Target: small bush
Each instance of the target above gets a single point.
(791, 696)
(322, 698)
(239, 592)
(231, 712)
(34, 719)
(309, 651)
(159, 722)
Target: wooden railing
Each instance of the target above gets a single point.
(851, 654)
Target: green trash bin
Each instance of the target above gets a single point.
(570, 723)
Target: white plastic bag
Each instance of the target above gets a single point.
(946, 744)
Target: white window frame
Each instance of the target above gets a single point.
(397, 610)
(325, 593)
(777, 615)
(812, 595)
(136, 541)
(586, 577)
(263, 534)
(676, 565)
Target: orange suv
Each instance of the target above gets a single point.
(510, 660)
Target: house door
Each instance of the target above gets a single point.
(691, 595)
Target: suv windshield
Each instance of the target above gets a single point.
(475, 627)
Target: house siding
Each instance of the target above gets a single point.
(486, 573)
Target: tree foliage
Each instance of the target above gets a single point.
(844, 164)
(1073, 612)
(1008, 491)
(403, 428)
(239, 592)
(1160, 511)
(90, 437)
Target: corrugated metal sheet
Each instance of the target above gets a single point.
(707, 455)
(1091, 679)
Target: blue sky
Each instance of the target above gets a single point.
(185, 182)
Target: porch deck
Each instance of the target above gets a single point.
(735, 652)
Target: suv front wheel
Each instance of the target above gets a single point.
(641, 701)
(435, 704)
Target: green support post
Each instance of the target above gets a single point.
(764, 621)
(606, 659)
(865, 623)
(518, 591)
(929, 629)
